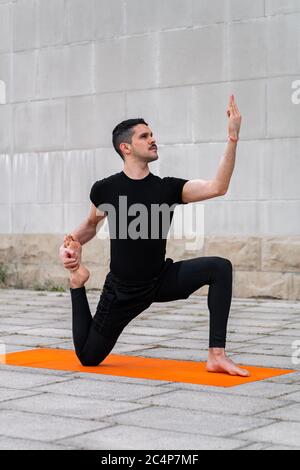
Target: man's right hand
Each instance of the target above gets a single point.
(70, 258)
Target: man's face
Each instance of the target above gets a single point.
(143, 144)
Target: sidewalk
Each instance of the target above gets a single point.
(43, 409)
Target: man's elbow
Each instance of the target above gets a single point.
(222, 192)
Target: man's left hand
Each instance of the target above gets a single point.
(235, 119)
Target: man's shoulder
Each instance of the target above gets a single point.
(107, 179)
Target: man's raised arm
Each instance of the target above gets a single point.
(200, 190)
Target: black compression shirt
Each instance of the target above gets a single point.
(137, 240)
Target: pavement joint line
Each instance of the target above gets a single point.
(21, 439)
(2, 402)
(225, 436)
(33, 370)
(86, 420)
(272, 421)
(126, 380)
(203, 411)
(56, 441)
(227, 391)
(263, 444)
(110, 425)
(280, 407)
(163, 392)
(94, 420)
(157, 405)
(68, 379)
(78, 396)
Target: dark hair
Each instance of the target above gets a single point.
(123, 132)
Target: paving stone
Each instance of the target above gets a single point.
(21, 425)
(282, 433)
(22, 322)
(254, 446)
(279, 447)
(264, 389)
(22, 380)
(10, 394)
(64, 345)
(261, 389)
(7, 329)
(276, 316)
(9, 348)
(137, 438)
(260, 333)
(33, 370)
(126, 348)
(151, 331)
(286, 413)
(287, 379)
(295, 396)
(215, 403)
(196, 344)
(74, 407)
(52, 332)
(254, 323)
(251, 330)
(34, 341)
(129, 380)
(7, 443)
(270, 350)
(175, 354)
(197, 422)
(103, 390)
(280, 304)
(265, 361)
(292, 332)
(61, 324)
(233, 347)
(137, 339)
(167, 324)
(178, 317)
(192, 334)
(276, 340)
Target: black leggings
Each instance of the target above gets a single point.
(94, 338)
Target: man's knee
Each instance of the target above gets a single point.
(222, 265)
(88, 361)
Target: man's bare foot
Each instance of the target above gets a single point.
(80, 275)
(72, 244)
(218, 362)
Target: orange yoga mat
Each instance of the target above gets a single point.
(136, 367)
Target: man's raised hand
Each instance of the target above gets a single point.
(235, 119)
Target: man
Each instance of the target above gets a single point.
(139, 274)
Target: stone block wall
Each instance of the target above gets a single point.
(263, 267)
(70, 70)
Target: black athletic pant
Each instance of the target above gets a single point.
(121, 301)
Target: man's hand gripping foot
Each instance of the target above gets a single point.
(71, 255)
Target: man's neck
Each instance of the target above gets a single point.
(136, 173)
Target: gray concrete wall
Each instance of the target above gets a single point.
(73, 69)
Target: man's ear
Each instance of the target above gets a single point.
(125, 147)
